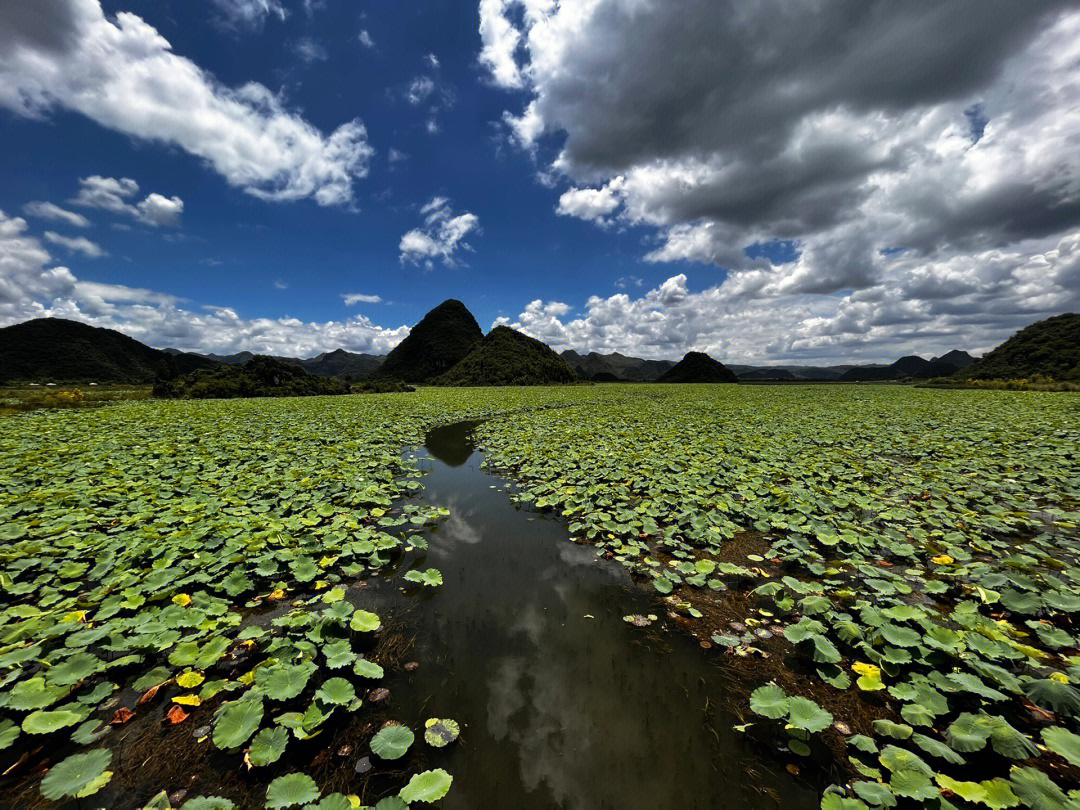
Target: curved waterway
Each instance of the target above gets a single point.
(563, 704)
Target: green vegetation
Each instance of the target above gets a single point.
(259, 377)
(697, 367)
(924, 561)
(507, 357)
(24, 398)
(1049, 348)
(906, 557)
(442, 338)
(58, 350)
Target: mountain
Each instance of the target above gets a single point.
(444, 337)
(957, 358)
(507, 357)
(342, 364)
(618, 365)
(1049, 348)
(59, 350)
(338, 363)
(259, 377)
(766, 374)
(696, 367)
(908, 367)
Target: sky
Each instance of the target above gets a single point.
(790, 181)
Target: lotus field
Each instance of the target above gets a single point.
(190, 592)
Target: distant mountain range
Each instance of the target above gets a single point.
(59, 350)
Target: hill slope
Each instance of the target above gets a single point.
(697, 367)
(259, 377)
(908, 367)
(443, 338)
(618, 365)
(1050, 348)
(341, 364)
(59, 350)
(507, 357)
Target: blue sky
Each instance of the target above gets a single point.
(579, 171)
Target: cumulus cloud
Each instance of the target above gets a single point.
(878, 139)
(53, 212)
(77, 244)
(123, 74)
(366, 40)
(441, 236)
(112, 194)
(970, 302)
(360, 298)
(32, 285)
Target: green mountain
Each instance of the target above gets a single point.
(697, 367)
(507, 357)
(1049, 348)
(259, 377)
(616, 365)
(338, 363)
(59, 350)
(444, 337)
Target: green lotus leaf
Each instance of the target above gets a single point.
(267, 746)
(912, 785)
(392, 742)
(9, 732)
(367, 669)
(284, 681)
(769, 701)
(969, 732)
(898, 759)
(887, 728)
(1035, 790)
(336, 691)
(33, 693)
(999, 794)
(439, 733)
(236, 722)
(75, 668)
(875, 793)
(46, 722)
(364, 622)
(89, 732)
(1009, 742)
(936, 748)
(1059, 740)
(291, 790)
(339, 654)
(968, 791)
(429, 786)
(1053, 696)
(805, 714)
(208, 803)
(77, 776)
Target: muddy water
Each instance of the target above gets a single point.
(566, 705)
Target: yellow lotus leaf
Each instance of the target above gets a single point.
(181, 599)
(189, 680)
(188, 700)
(942, 559)
(862, 668)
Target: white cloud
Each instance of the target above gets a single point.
(500, 40)
(249, 14)
(78, 244)
(396, 156)
(281, 285)
(432, 61)
(441, 236)
(366, 40)
(310, 50)
(419, 89)
(53, 212)
(359, 298)
(123, 74)
(594, 204)
(111, 194)
(921, 161)
(32, 286)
